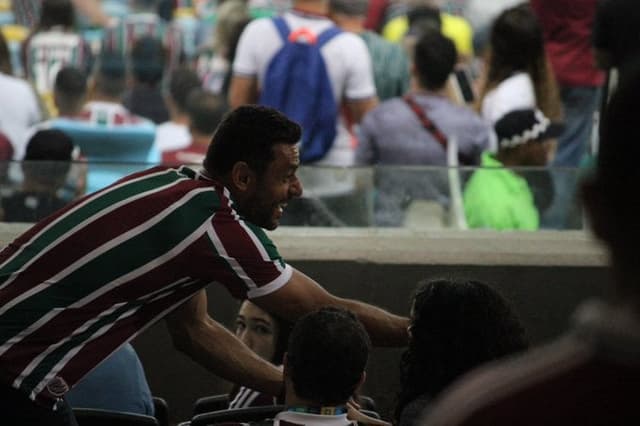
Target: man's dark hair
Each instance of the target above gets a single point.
(110, 76)
(455, 326)
(70, 87)
(148, 59)
(56, 12)
(327, 354)
(205, 111)
(182, 82)
(249, 134)
(434, 56)
(53, 146)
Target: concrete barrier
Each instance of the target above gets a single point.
(544, 274)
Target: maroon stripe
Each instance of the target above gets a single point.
(94, 235)
(97, 350)
(206, 264)
(239, 245)
(60, 327)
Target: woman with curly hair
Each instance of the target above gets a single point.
(455, 327)
(518, 73)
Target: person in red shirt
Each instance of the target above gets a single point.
(567, 27)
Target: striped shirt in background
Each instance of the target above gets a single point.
(122, 37)
(89, 278)
(45, 53)
(390, 66)
(26, 12)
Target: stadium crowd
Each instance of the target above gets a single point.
(511, 92)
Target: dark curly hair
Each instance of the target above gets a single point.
(455, 326)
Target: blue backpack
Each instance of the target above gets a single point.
(297, 84)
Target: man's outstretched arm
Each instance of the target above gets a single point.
(211, 345)
(302, 294)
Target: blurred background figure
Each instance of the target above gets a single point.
(205, 111)
(267, 336)
(27, 12)
(146, 70)
(568, 36)
(143, 21)
(418, 15)
(498, 196)
(24, 109)
(47, 162)
(217, 55)
(455, 327)
(389, 60)
(174, 134)
(415, 130)
(52, 45)
(518, 74)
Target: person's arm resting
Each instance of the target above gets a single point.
(302, 294)
(242, 91)
(211, 345)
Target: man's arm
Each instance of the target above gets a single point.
(358, 108)
(195, 333)
(302, 294)
(243, 90)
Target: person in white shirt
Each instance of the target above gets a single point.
(174, 134)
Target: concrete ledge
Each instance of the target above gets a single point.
(405, 246)
(399, 246)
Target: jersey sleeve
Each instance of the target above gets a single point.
(243, 258)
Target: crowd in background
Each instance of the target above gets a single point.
(160, 74)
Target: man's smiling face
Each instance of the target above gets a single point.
(266, 201)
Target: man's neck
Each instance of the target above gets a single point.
(419, 90)
(314, 7)
(100, 97)
(348, 23)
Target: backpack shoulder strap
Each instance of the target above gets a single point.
(327, 35)
(282, 27)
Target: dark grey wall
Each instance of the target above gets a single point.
(544, 297)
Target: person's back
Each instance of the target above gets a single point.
(144, 97)
(54, 44)
(46, 164)
(346, 58)
(390, 61)
(395, 133)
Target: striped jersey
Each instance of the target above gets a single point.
(122, 37)
(46, 52)
(89, 278)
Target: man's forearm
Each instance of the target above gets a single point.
(219, 351)
(384, 328)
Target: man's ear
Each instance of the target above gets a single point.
(242, 176)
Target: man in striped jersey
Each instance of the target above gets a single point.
(89, 278)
